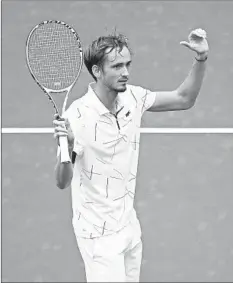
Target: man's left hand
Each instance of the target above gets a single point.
(197, 42)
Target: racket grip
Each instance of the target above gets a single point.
(65, 157)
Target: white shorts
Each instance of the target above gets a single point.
(113, 258)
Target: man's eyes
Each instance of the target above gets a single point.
(121, 66)
(118, 66)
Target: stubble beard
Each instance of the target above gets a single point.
(121, 89)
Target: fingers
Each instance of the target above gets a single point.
(64, 122)
(56, 116)
(185, 43)
(60, 132)
(57, 135)
(59, 123)
(60, 127)
(198, 33)
(197, 41)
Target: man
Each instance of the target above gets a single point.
(103, 135)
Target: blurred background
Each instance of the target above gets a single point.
(185, 184)
(154, 29)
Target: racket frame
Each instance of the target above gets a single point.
(63, 141)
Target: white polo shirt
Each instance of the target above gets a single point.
(104, 177)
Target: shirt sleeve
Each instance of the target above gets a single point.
(144, 98)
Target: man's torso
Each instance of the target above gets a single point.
(104, 181)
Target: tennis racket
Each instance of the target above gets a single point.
(54, 58)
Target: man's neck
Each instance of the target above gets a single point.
(105, 95)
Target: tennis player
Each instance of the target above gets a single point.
(103, 135)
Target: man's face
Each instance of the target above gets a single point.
(115, 71)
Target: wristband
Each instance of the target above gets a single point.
(201, 60)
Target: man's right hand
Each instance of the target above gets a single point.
(62, 128)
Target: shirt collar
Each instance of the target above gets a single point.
(95, 102)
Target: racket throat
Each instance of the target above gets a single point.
(60, 101)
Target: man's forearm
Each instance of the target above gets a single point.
(191, 86)
(63, 173)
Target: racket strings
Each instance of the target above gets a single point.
(54, 55)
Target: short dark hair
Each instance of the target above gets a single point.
(95, 53)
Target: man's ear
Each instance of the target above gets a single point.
(96, 71)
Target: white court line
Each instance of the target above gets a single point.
(142, 130)
(186, 130)
(27, 130)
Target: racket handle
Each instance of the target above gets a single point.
(65, 157)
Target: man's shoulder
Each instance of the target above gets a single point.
(136, 88)
(142, 96)
(76, 103)
(74, 107)
(79, 102)
(137, 92)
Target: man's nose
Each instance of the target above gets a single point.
(125, 72)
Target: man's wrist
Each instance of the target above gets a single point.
(70, 147)
(201, 57)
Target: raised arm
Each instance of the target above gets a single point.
(185, 95)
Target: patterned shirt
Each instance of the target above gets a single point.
(104, 177)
